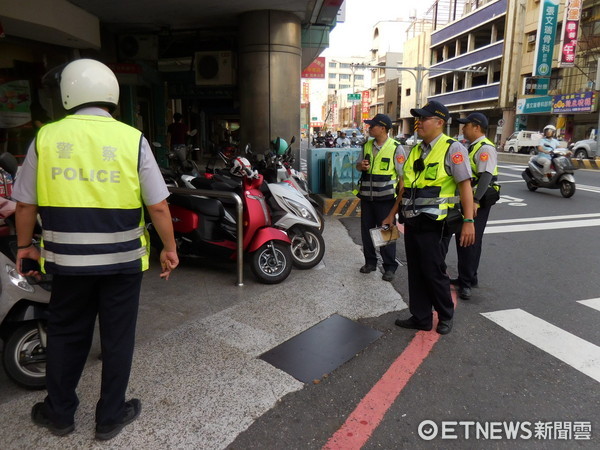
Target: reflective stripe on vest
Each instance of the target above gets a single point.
(381, 180)
(432, 186)
(89, 197)
(472, 154)
(92, 238)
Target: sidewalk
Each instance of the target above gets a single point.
(196, 367)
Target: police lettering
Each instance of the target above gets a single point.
(101, 176)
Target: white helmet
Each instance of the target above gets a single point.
(87, 81)
(241, 167)
(549, 127)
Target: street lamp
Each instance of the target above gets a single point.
(418, 74)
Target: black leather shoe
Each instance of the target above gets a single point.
(40, 417)
(132, 410)
(412, 324)
(464, 293)
(367, 268)
(388, 275)
(444, 326)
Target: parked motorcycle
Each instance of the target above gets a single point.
(23, 307)
(289, 210)
(207, 227)
(561, 174)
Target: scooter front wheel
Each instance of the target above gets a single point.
(567, 188)
(308, 247)
(24, 357)
(272, 262)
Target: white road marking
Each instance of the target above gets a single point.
(576, 352)
(592, 303)
(544, 218)
(542, 226)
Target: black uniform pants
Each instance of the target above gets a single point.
(74, 305)
(372, 214)
(468, 257)
(426, 244)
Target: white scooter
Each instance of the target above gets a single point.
(23, 307)
(561, 174)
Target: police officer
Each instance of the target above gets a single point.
(381, 166)
(484, 165)
(435, 171)
(89, 177)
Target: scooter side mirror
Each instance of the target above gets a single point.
(157, 144)
(293, 139)
(9, 163)
(194, 132)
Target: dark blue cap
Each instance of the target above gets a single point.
(380, 119)
(476, 118)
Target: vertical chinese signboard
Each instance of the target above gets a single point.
(366, 103)
(568, 45)
(545, 38)
(305, 92)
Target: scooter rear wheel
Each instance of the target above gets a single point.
(24, 358)
(272, 262)
(531, 187)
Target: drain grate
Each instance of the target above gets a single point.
(322, 348)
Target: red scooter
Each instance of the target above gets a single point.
(207, 227)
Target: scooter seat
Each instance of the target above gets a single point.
(203, 206)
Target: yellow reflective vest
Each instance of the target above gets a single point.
(473, 151)
(379, 182)
(89, 197)
(432, 190)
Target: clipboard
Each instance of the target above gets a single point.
(384, 236)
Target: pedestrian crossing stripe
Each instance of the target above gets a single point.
(592, 303)
(576, 352)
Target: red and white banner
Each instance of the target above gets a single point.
(366, 103)
(316, 69)
(568, 44)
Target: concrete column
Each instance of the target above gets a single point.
(269, 77)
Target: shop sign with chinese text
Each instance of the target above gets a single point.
(573, 103)
(568, 45)
(545, 37)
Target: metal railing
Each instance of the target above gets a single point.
(240, 226)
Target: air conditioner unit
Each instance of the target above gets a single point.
(138, 47)
(531, 37)
(214, 68)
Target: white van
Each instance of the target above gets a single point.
(523, 142)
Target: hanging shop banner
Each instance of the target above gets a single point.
(366, 103)
(316, 69)
(305, 92)
(573, 103)
(15, 103)
(536, 86)
(546, 35)
(568, 44)
(534, 105)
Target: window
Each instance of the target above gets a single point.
(344, 86)
(331, 86)
(359, 77)
(332, 65)
(344, 76)
(344, 66)
(408, 92)
(332, 76)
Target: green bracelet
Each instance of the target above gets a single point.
(469, 220)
